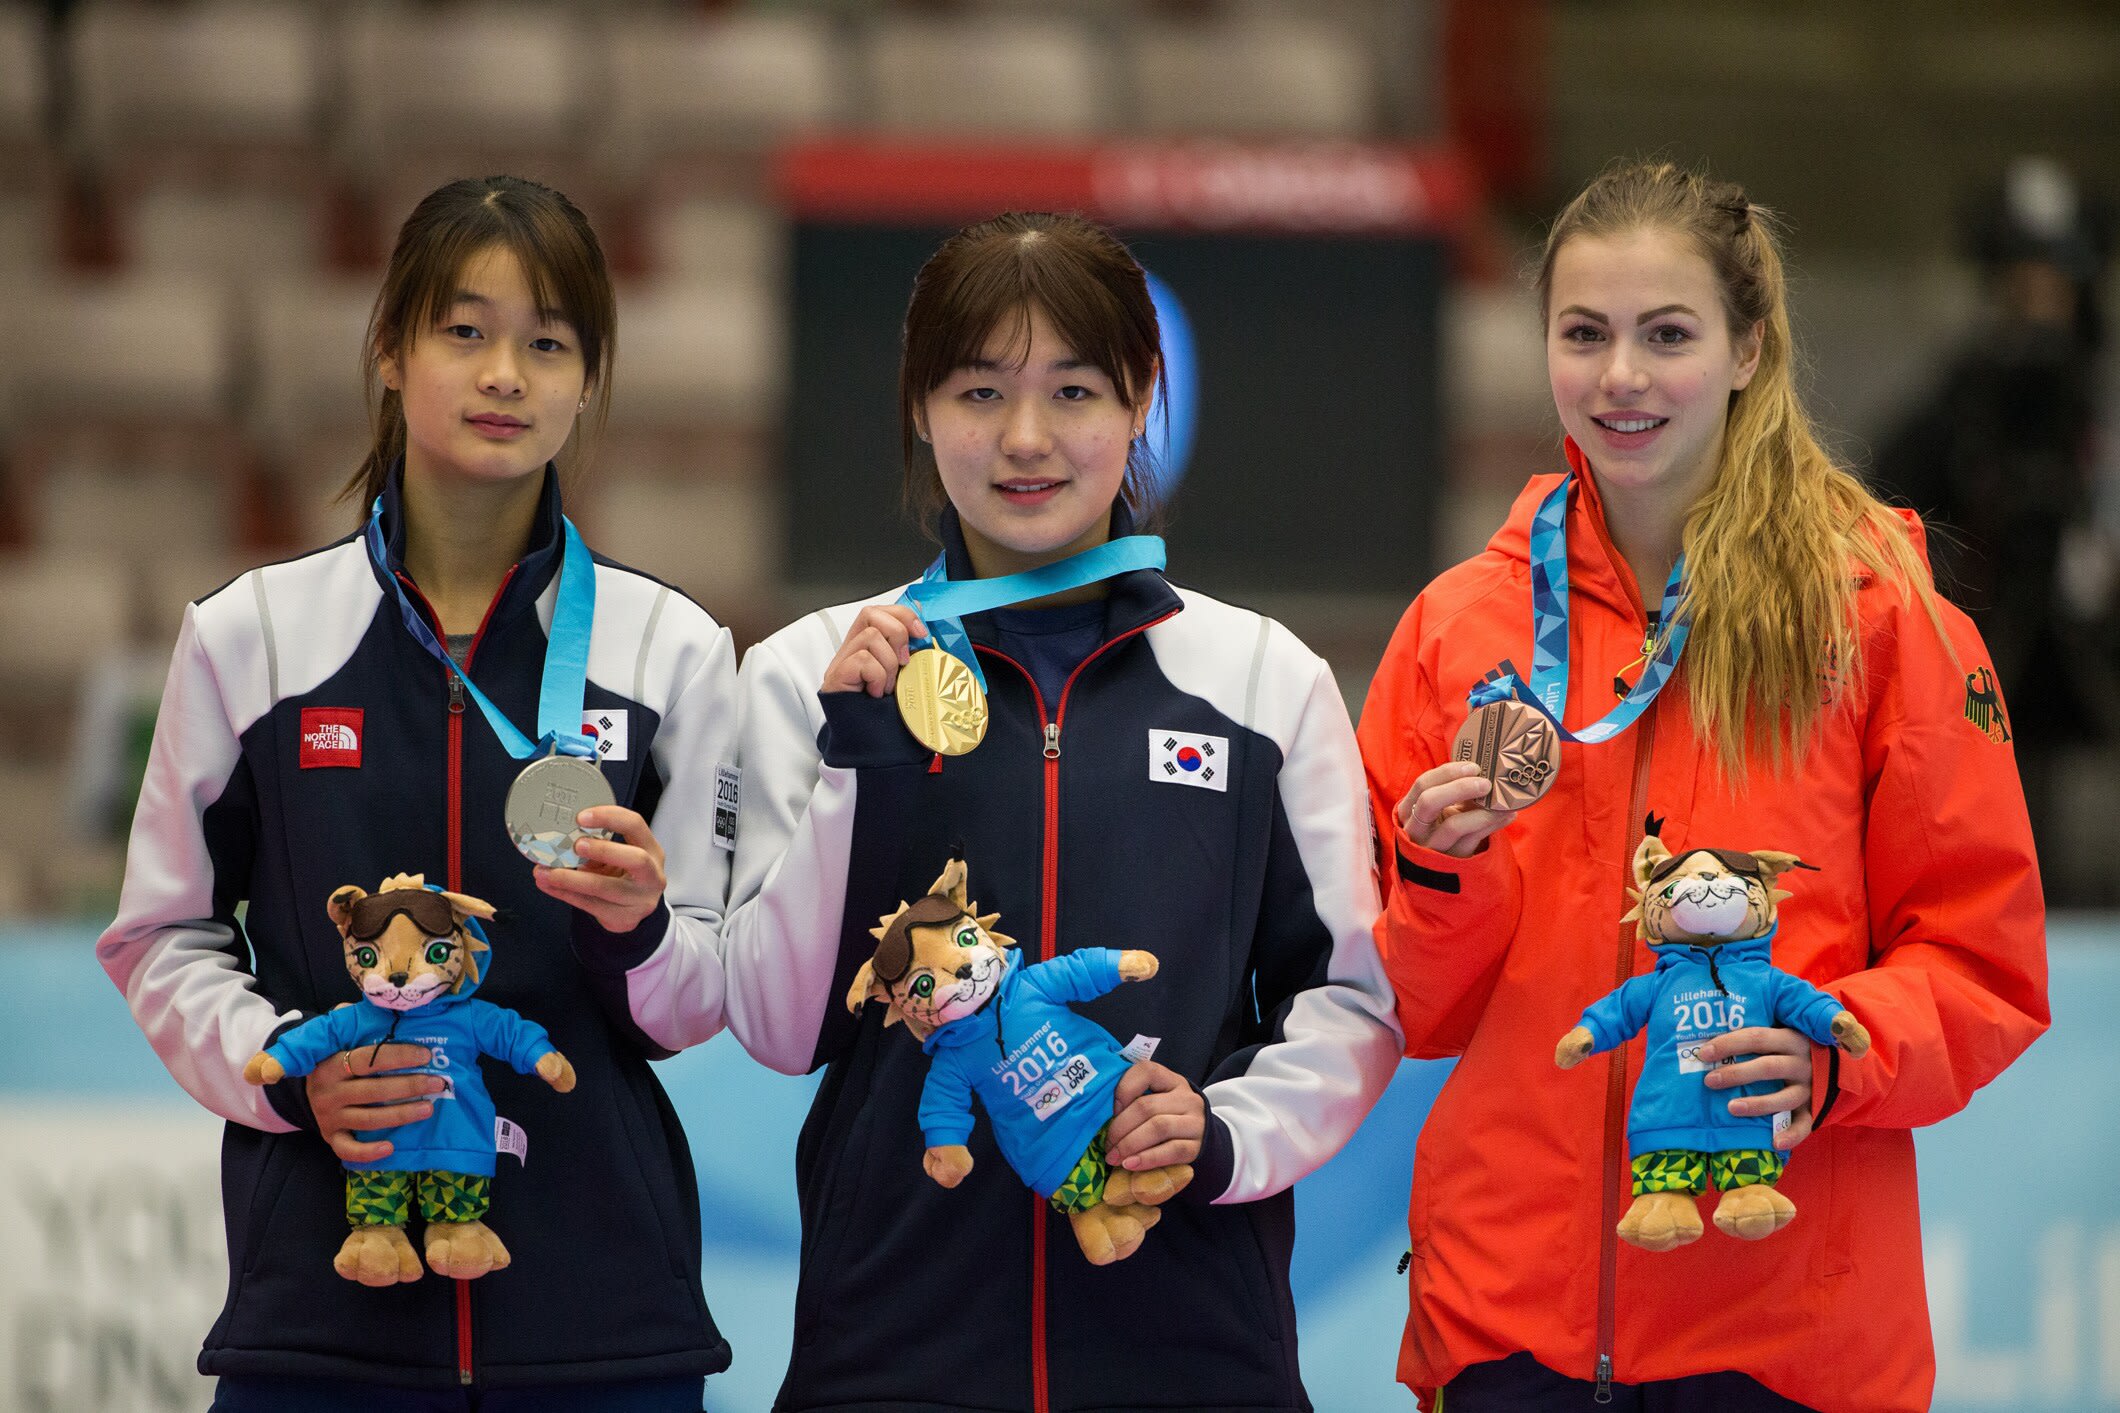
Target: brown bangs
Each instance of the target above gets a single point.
(988, 278)
(561, 260)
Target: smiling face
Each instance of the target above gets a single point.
(405, 943)
(1642, 361)
(1705, 897)
(404, 967)
(1031, 442)
(957, 967)
(492, 389)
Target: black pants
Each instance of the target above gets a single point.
(1520, 1384)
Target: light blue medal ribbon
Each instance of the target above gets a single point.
(566, 675)
(1548, 692)
(942, 602)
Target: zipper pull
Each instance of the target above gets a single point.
(1620, 685)
(1604, 1379)
(1052, 740)
(456, 695)
(1405, 1260)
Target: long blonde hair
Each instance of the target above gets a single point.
(1770, 543)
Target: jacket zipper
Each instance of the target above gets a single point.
(1049, 918)
(456, 865)
(1616, 1077)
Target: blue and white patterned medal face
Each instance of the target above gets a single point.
(542, 805)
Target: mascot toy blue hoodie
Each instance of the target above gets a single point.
(1005, 1033)
(1710, 916)
(414, 951)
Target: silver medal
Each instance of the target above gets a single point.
(542, 805)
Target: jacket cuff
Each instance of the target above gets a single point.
(616, 953)
(289, 1095)
(947, 1136)
(1438, 872)
(862, 732)
(1825, 1083)
(1217, 1162)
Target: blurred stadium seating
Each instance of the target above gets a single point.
(195, 199)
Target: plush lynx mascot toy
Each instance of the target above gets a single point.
(1004, 1033)
(1710, 916)
(413, 950)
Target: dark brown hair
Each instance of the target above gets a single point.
(453, 225)
(991, 275)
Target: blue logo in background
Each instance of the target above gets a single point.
(1173, 419)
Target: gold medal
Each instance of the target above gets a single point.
(1515, 747)
(942, 703)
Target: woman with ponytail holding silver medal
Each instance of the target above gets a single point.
(455, 686)
(1122, 763)
(1717, 634)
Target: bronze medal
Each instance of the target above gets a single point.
(942, 703)
(1515, 746)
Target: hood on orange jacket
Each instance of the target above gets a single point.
(1925, 918)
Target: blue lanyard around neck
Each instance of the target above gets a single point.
(942, 601)
(566, 677)
(1548, 691)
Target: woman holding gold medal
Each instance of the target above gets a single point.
(1702, 627)
(1122, 763)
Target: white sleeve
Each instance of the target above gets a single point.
(787, 895)
(673, 985)
(1291, 1102)
(175, 949)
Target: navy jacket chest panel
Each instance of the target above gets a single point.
(1144, 863)
(321, 828)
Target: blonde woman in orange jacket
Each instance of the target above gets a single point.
(1824, 701)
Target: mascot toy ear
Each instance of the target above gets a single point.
(467, 906)
(867, 988)
(952, 883)
(1651, 854)
(340, 905)
(1773, 863)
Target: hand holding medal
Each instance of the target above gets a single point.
(545, 806)
(940, 687)
(1512, 739)
(619, 879)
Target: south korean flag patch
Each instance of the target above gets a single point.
(1181, 758)
(606, 730)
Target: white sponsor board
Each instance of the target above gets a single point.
(116, 1262)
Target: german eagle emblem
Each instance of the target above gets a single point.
(1983, 705)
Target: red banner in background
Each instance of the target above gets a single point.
(1300, 187)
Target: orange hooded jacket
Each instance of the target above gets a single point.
(1925, 919)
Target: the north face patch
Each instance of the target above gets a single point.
(331, 736)
(1983, 705)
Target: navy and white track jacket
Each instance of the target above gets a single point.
(1257, 897)
(307, 741)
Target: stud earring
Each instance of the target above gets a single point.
(582, 406)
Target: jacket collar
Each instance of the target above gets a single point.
(532, 573)
(1133, 600)
(1594, 563)
(1595, 567)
